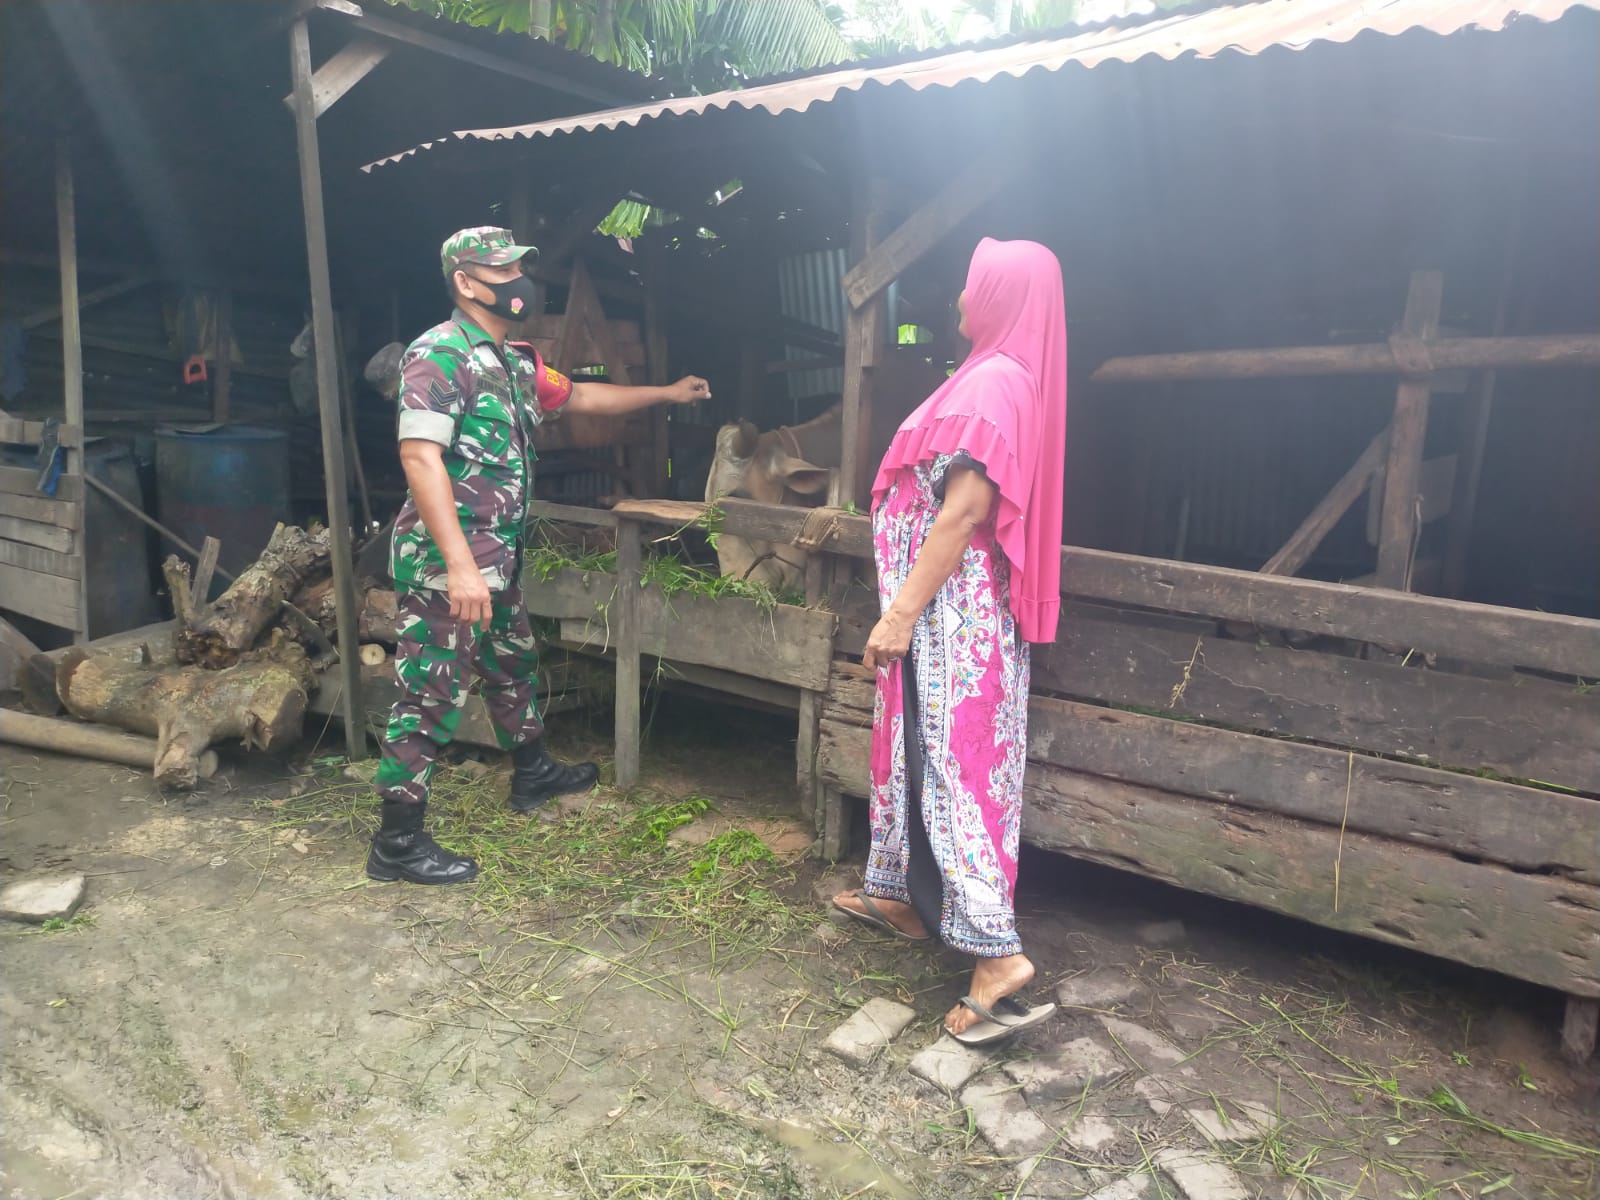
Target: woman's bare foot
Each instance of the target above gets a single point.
(902, 916)
(992, 980)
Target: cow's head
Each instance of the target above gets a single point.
(750, 465)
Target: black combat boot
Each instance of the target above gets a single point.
(403, 849)
(536, 777)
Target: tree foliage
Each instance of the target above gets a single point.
(696, 44)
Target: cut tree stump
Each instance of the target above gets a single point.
(217, 635)
(187, 708)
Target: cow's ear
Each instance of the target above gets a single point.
(800, 476)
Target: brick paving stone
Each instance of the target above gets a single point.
(1064, 1072)
(1163, 1092)
(948, 1064)
(1004, 1120)
(1130, 1187)
(1148, 1048)
(1093, 1132)
(868, 1030)
(1243, 1121)
(1104, 988)
(1198, 1178)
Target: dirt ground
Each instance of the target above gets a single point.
(631, 1002)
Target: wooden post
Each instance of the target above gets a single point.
(327, 351)
(1580, 1027)
(222, 385)
(72, 367)
(1399, 525)
(863, 332)
(835, 825)
(805, 742)
(625, 621)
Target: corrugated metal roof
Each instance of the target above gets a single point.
(1243, 29)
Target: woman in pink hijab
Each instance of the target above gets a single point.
(966, 524)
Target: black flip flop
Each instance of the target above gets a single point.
(1013, 1016)
(874, 916)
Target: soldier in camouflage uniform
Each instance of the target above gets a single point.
(468, 403)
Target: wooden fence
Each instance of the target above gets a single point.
(1415, 770)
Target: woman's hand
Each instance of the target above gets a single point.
(888, 642)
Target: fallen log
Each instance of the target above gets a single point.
(88, 741)
(377, 610)
(261, 701)
(218, 634)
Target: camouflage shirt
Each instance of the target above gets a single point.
(479, 402)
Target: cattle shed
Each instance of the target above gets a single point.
(1332, 573)
(192, 262)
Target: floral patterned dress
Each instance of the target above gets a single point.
(946, 817)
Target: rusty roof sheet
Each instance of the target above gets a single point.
(1206, 33)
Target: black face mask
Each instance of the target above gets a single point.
(513, 300)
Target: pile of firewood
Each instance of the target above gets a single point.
(240, 666)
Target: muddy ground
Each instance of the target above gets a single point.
(632, 1000)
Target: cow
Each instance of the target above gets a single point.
(789, 465)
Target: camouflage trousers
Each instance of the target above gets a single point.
(432, 661)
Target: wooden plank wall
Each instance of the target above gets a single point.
(1231, 733)
(41, 561)
(1448, 790)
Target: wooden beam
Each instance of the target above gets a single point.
(981, 181)
(327, 352)
(50, 598)
(1488, 819)
(625, 621)
(863, 336)
(1446, 354)
(572, 514)
(63, 564)
(1519, 728)
(1303, 543)
(19, 432)
(785, 644)
(89, 299)
(394, 31)
(71, 358)
(23, 482)
(1401, 523)
(343, 71)
(1481, 633)
(37, 533)
(1534, 927)
(163, 354)
(44, 509)
(200, 587)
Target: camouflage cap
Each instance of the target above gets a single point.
(484, 245)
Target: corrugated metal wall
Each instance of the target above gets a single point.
(808, 291)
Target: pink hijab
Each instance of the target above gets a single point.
(1007, 407)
